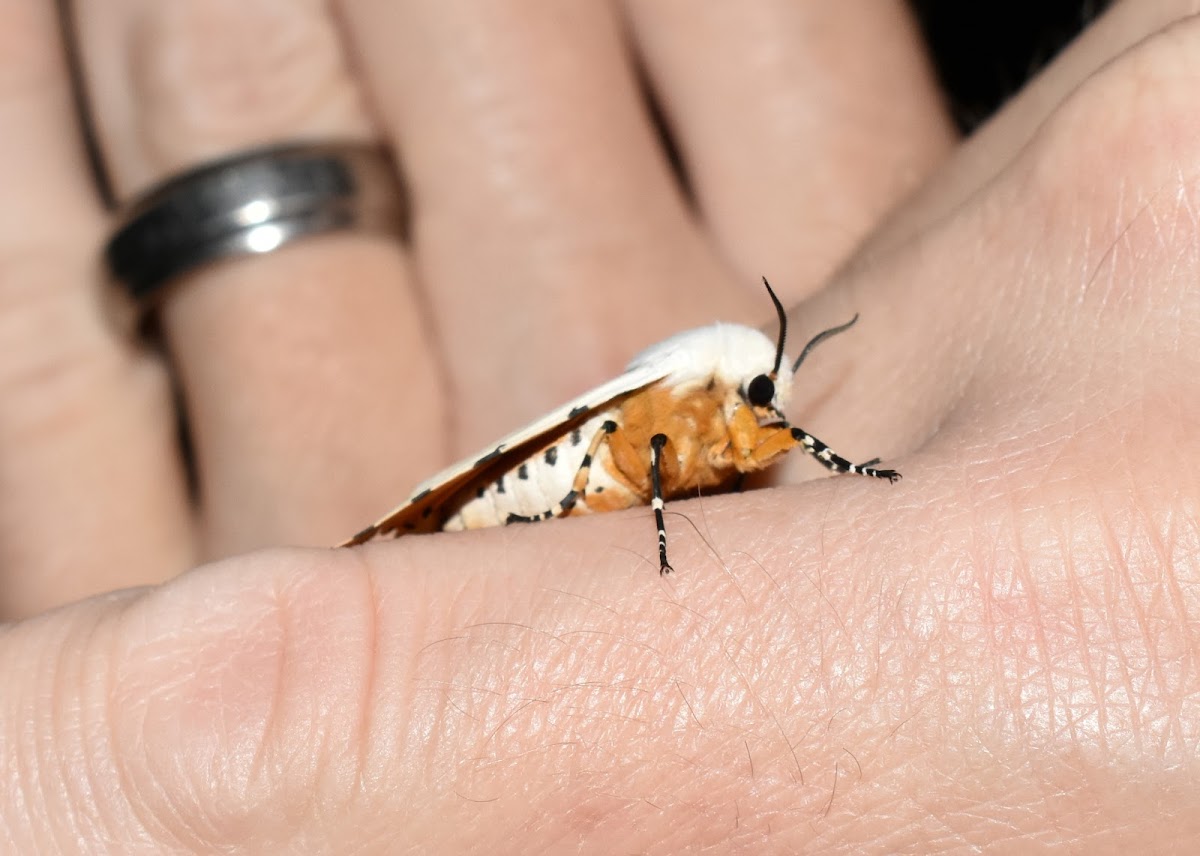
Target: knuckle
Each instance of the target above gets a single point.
(240, 698)
(1134, 120)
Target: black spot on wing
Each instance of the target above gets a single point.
(576, 436)
(421, 495)
(578, 411)
(491, 456)
(551, 456)
(500, 485)
(428, 510)
(523, 471)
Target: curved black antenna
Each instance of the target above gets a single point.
(782, 328)
(821, 337)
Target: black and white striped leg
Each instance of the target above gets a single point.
(578, 485)
(833, 461)
(656, 500)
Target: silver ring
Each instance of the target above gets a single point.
(252, 202)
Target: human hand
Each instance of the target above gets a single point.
(550, 243)
(444, 693)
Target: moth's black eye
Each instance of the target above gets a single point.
(761, 391)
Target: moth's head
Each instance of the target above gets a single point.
(739, 361)
(752, 371)
(766, 388)
(750, 367)
(768, 392)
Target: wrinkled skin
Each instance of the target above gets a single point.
(998, 652)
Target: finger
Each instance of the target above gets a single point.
(302, 368)
(91, 492)
(527, 141)
(908, 361)
(1000, 140)
(1077, 313)
(800, 123)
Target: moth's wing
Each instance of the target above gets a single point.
(419, 513)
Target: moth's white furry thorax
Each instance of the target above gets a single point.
(732, 354)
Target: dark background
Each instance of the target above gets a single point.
(985, 50)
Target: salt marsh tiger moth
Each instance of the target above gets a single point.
(693, 412)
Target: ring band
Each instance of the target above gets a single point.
(253, 202)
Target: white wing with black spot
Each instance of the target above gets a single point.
(419, 511)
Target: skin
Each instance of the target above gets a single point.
(999, 652)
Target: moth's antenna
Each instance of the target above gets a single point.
(821, 337)
(782, 328)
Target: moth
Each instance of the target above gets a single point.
(695, 412)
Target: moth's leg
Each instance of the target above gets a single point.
(753, 446)
(745, 435)
(768, 445)
(833, 461)
(657, 442)
(756, 447)
(578, 484)
(630, 466)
